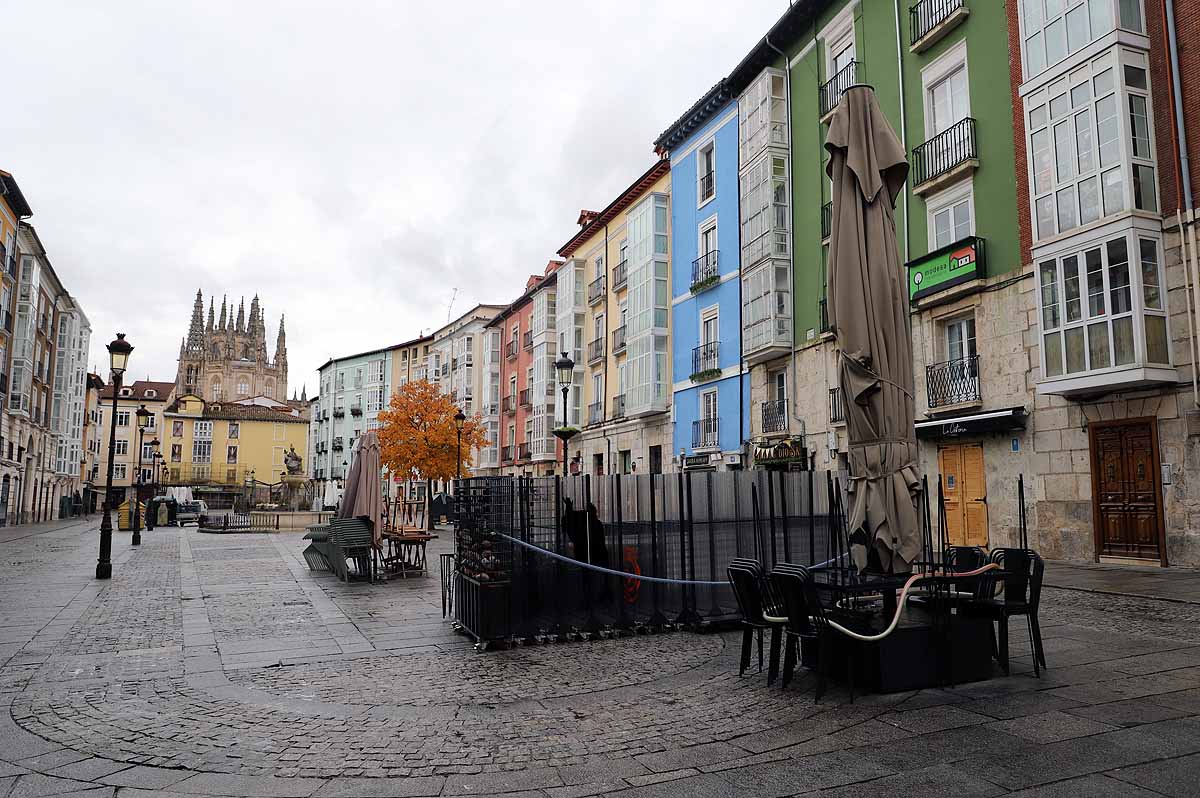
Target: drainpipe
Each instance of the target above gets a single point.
(1184, 169)
(903, 135)
(1189, 293)
(787, 93)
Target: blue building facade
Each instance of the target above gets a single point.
(711, 395)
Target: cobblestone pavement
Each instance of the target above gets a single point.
(219, 665)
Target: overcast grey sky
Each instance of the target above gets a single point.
(350, 162)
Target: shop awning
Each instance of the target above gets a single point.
(1010, 418)
(786, 451)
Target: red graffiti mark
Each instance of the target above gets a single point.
(632, 586)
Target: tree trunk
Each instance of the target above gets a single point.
(429, 505)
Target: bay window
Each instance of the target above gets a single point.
(1090, 144)
(762, 114)
(1054, 29)
(1102, 307)
(648, 305)
(766, 306)
(764, 209)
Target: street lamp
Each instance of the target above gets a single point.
(144, 417)
(154, 458)
(459, 419)
(118, 359)
(566, 376)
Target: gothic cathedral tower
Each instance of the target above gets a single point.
(226, 359)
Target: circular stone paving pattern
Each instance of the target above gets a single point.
(458, 678)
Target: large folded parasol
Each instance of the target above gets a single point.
(363, 497)
(867, 310)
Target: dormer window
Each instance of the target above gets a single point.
(151, 394)
(126, 392)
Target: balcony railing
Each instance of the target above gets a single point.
(927, 15)
(705, 271)
(707, 186)
(510, 404)
(705, 433)
(953, 382)
(618, 410)
(620, 275)
(837, 408)
(356, 410)
(706, 361)
(775, 416)
(595, 412)
(3, 382)
(823, 306)
(595, 350)
(833, 89)
(524, 397)
(619, 339)
(946, 151)
(596, 290)
(506, 454)
(826, 220)
(523, 451)
(510, 349)
(527, 339)
(339, 412)
(337, 444)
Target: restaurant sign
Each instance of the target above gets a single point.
(946, 267)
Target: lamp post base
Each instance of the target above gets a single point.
(104, 570)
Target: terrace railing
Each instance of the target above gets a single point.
(837, 408)
(706, 361)
(706, 433)
(774, 416)
(706, 271)
(944, 152)
(953, 382)
(596, 290)
(927, 15)
(833, 89)
(619, 339)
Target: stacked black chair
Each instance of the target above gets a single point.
(807, 622)
(1022, 595)
(760, 610)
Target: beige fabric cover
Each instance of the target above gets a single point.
(867, 310)
(363, 497)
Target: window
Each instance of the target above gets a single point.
(778, 387)
(762, 114)
(948, 101)
(176, 452)
(119, 470)
(764, 209)
(951, 216)
(120, 448)
(122, 418)
(216, 391)
(176, 429)
(1054, 29)
(231, 455)
(841, 52)
(243, 387)
(1082, 167)
(706, 164)
(960, 339)
(766, 305)
(202, 430)
(234, 429)
(1103, 307)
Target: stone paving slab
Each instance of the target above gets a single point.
(222, 666)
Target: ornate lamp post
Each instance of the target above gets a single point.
(118, 360)
(143, 423)
(459, 419)
(566, 376)
(154, 455)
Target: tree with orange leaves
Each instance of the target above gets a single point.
(417, 435)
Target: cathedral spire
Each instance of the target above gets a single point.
(241, 316)
(281, 343)
(224, 317)
(195, 337)
(211, 316)
(303, 392)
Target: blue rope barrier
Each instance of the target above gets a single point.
(626, 574)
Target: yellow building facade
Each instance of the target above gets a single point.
(617, 281)
(219, 450)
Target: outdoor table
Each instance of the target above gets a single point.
(405, 552)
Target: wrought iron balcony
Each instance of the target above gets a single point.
(3, 382)
(953, 382)
(706, 433)
(595, 350)
(506, 454)
(620, 275)
(823, 305)
(356, 410)
(445, 370)
(833, 89)
(619, 339)
(927, 15)
(775, 416)
(339, 412)
(826, 220)
(618, 406)
(837, 409)
(708, 186)
(527, 339)
(523, 451)
(949, 153)
(524, 397)
(706, 361)
(595, 412)
(510, 349)
(596, 290)
(705, 271)
(337, 444)
(510, 404)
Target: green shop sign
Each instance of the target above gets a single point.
(946, 267)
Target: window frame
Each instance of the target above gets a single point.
(936, 73)
(948, 200)
(709, 147)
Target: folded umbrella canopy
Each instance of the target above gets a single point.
(868, 313)
(362, 497)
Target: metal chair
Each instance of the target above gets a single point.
(806, 621)
(759, 611)
(1022, 582)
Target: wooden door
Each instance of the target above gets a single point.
(1125, 473)
(964, 490)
